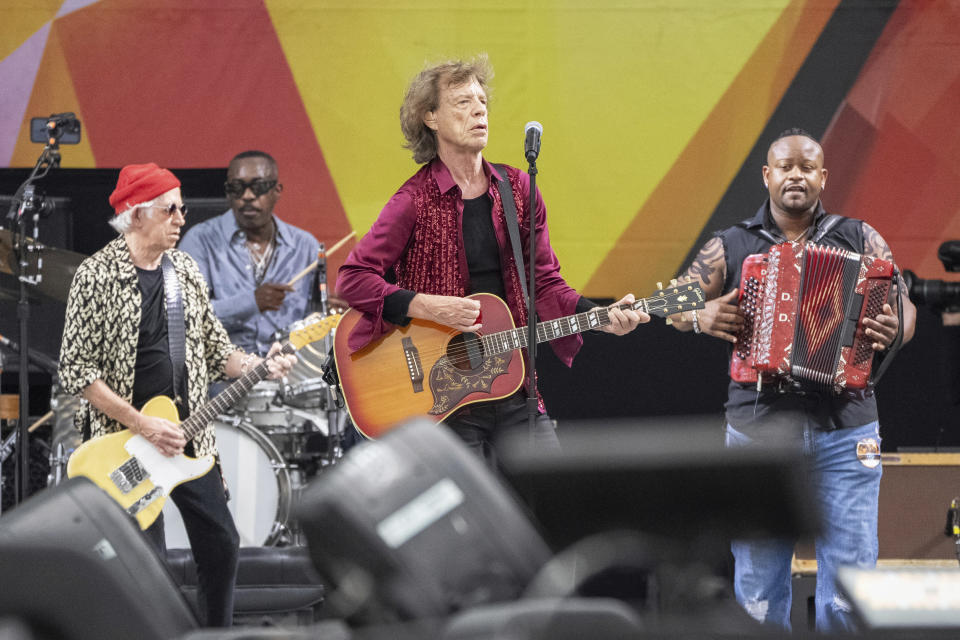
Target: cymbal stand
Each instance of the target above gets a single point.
(24, 203)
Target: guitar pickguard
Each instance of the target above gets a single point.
(450, 385)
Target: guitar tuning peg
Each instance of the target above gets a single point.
(673, 282)
(659, 285)
(669, 320)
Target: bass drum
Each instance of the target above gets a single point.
(259, 484)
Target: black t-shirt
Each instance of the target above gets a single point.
(480, 245)
(154, 369)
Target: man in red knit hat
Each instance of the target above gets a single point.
(139, 324)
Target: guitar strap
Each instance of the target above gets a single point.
(176, 332)
(510, 213)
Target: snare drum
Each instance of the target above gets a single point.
(259, 484)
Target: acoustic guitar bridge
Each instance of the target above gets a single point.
(414, 368)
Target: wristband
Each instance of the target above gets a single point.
(696, 322)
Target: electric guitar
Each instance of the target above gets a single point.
(427, 369)
(135, 474)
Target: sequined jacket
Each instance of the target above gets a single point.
(418, 238)
(102, 328)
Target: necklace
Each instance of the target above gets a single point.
(802, 233)
(261, 261)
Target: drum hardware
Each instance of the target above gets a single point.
(58, 465)
(64, 437)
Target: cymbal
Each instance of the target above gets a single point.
(53, 267)
(10, 292)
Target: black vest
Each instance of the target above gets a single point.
(745, 409)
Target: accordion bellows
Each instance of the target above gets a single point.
(804, 307)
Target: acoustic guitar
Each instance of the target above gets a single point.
(135, 474)
(428, 369)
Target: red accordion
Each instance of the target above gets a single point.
(804, 308)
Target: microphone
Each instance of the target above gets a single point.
(531, 145)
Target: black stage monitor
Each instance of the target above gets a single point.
(664, 477)
(74, 565)
(413, 525)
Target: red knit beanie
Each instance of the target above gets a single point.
(139, 183)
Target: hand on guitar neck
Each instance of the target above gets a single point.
(278, 363)
(623, 317)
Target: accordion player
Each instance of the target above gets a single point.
(803, 308)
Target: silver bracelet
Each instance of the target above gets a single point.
(696, 322)
(246, 362)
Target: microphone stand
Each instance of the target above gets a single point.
(50, 157)
(532, 402)
(334, 426)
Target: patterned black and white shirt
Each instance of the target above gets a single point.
(102, 327)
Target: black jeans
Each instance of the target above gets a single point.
(479, 426)
(214, 541)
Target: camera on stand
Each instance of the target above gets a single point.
(939, 294)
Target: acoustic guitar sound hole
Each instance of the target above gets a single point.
(465, 351)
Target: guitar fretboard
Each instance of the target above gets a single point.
(504, 341)
(228, 397)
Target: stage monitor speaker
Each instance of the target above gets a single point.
(77, 567)
(671, 478)
(414, 525)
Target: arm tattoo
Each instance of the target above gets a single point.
(708, 263)
(874, 244)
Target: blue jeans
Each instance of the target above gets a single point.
(847, 493)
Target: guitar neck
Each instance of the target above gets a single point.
(224, 400)
(504, 341)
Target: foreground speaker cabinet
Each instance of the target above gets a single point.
(76, 566)
(413, 525)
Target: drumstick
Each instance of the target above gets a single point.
(316, 263)
(36, 425)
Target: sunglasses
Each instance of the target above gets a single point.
(172, 208)
(236, 188)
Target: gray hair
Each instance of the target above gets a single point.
(423, 95)
(122, 222)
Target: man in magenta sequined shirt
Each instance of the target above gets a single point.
(443, 236)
